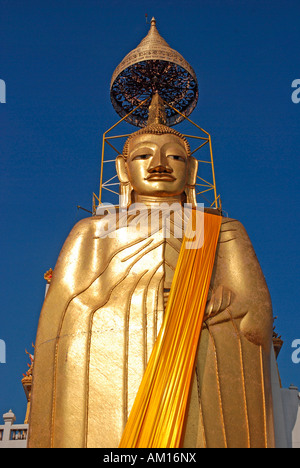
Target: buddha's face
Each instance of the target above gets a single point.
(157, 165)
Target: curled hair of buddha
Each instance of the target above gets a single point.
(156, 129)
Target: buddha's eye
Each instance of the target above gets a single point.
(176, 158)
(142, 157)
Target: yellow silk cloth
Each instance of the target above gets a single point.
(158, 414)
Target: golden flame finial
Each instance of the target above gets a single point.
(157, 112)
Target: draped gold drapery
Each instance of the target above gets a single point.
(158, 414)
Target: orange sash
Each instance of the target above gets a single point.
(158, 413)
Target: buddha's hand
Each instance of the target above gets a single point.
(220, 299)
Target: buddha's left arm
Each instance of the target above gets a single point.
(239, 287)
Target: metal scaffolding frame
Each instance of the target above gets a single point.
(204, 185)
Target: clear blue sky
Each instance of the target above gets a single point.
(57, 58)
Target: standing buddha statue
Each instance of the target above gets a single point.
(109, 297)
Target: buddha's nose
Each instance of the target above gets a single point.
(159, 163)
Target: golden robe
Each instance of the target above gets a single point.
(98, 325)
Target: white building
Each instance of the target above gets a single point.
(13, 435)
(286, 402)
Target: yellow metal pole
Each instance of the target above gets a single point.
(118, 136)
(101, 173)
(185, 117)
(210, 146)
(103, 145)
(189, 120)
(129, 113)
(213, 173)
(196, 137)
(199, 147)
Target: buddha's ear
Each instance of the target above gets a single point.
(190, 189)
(192, 171)
(125, 185)
(121, 169)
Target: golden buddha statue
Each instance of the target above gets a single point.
(106, 304)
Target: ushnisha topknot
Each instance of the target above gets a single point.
(156, 129)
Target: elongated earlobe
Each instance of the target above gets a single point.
(121, 169)
(125, 185)
(191, 198)
(125, 195)
(190, 189)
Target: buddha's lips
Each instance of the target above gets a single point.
(161, 176)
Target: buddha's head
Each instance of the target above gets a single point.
(157, 163)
